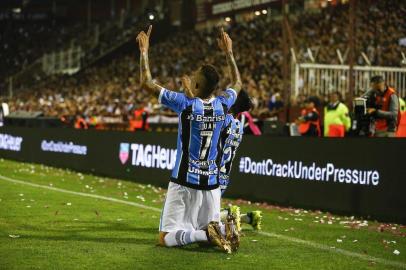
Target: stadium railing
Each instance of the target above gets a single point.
(322, 79)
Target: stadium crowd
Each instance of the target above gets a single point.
(111, 89)
(25, 41)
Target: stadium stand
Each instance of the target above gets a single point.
(108, 91)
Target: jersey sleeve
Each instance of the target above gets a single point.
(229, 97)
(228, 120)
(173, 100)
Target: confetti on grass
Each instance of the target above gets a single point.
(141, 198)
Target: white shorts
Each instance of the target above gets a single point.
(189, 209)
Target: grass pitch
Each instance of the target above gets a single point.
(58, 219)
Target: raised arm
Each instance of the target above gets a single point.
(226, 45)
(145, 73)
(186, 85)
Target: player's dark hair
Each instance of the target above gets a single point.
(314, 100)
(212, 78)
(242, 104)
(377, 79)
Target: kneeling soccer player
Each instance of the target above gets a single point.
(230, 139)
(191, 211)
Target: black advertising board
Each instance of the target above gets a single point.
(355, 176)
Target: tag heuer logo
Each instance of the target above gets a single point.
(124, 152)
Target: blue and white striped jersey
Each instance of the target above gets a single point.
(200, 125)
(230, 139)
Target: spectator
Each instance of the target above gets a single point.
(275, 104)
(387, 114)
(336, 118)
(309, 121)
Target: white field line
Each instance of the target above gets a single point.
(269, 234)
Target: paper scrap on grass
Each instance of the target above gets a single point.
(141, 198)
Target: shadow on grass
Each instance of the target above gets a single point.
(194, 248)
(101, 232)
(90, 226)
(97, 239)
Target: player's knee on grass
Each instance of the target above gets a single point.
(162, 238)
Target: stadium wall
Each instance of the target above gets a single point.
(354, 176)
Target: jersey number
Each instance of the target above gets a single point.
(228, 152)
(206, 141)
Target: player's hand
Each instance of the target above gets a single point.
(143, 40)
(371, 110)
(300, 120)
(224, 41)
(187, 86)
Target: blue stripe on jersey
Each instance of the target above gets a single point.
(194, 144)
(175, 171)
(218, 110)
